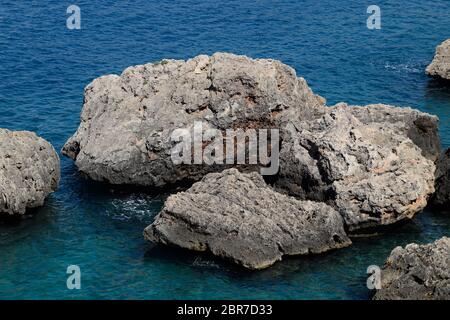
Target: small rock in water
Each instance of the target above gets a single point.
(29, 171)
(440, 66)
(417, 272)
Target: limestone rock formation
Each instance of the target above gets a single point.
(370, 172)
(422, 128)
(417, 272)
(127, 121)
(440, 66)
(239, 217)
(441, 197)
(374, 164)
(29, 171)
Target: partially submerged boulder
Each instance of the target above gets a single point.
(127, 121)
(29, 171)
(440, 66)
(417, 272)
(441, 197)
(371, 172)
(239, 217)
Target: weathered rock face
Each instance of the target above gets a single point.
(126, 124)
(238, 217)
(370, 172)
(417, 272)
(440, 66)
(422, 128)
(29, 171)
(441, 198)
(372, 163)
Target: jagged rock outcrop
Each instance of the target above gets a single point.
(440, 66)
(371, 172)
(441, 197)
(239, 217)
(372, 163)
(29, 171)
(417, 272)
(422, 128)
(127, 121)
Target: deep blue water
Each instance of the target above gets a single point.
(44, 68)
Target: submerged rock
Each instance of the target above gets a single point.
(127, 121)
(440, 66)
(371, 172)
(239, 217)
(417, 272)
(441, 197)
(29, 171)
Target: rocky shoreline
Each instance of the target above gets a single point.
(341, 170)
(364, 167)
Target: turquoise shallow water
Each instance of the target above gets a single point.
(45, 66)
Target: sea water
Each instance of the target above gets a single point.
(45, 66)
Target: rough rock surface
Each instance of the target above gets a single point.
(440, 66)
(239, 217)
(441, 197)
(29, 171)
(126, 123)
(422, 128)
(370, 172)
(417, 272)
(371, 163)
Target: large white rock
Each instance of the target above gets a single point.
(373, 163)
(127, 121)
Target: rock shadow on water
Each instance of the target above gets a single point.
(34, 221)
(82, 186)
(437, 93)
(121, 202)
(302, 277)
(345, 269)
(437, 101)
(438, 86)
